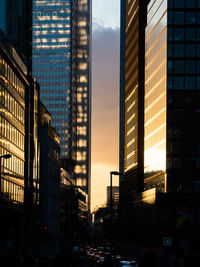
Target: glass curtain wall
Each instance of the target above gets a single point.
(155, 95)
(131, 84)
(61, 64)
(12, 132)
(51, 63)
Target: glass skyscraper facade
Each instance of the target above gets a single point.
(12, 126)
(133, 24)
(155, 89)
(61, 64)
(171, 93)
(16, 23)
(172, 97)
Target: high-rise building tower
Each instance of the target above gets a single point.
(160, 86)
(132, 95)
(16, 23)
(61, 64)
(172, 83)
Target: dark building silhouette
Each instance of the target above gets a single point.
(16, 22)
(49, 185)
(19, 139)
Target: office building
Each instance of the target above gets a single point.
(170, 79)
(170, 106)
(171, 140)
(49, 184)
(61, 64)
(115, 196)
(132, 64)
(16, 23)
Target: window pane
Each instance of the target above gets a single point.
(179, 50)
(170, 34)
(169, 82)
(178, 17)
(190, 50)
(190, 3)
(178, 34)
(169, 66)
(198, 66)
(178, 66)
(189, 82)
(198, 83)
(190, 66)
(169, 50)
(190, 34)
(178, 3)
(170, 17)
(178, 82)
(190, 17)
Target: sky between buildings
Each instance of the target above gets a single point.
(105, 96)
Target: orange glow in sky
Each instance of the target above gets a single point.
(105, 113)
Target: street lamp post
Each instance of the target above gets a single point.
(111, 207)
(7, 156)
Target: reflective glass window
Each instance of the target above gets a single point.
(178, 82)
(169, 82)
(170, 34)
(170, 17)
(198, 1)
(178, 66)
(170, 3)
(190, 50)
(179, 34)
(198, 18)
(190, 3)
(179, 50)
(169, 66)
(198, 66)
(190, 34)
(169, 50)
(198, 83)
(198, 34)
(189, 82)
(178, 17)
(190, 18)
(178, 3)
(198, 51)
(190, 66)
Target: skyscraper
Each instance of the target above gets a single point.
(16, 23)
(133, 23)
(171, 97)
(61, 64)
(170, 143)
(171, 140)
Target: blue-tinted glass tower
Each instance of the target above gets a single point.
(61, 64)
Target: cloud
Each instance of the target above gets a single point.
(106, 13)
(105, 96)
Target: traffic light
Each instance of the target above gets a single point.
(44, 233)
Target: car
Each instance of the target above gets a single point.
(128, 264)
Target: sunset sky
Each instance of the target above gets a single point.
(105, 96)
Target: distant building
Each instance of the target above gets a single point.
(73, 212)
(49, 184)
(115, 196)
